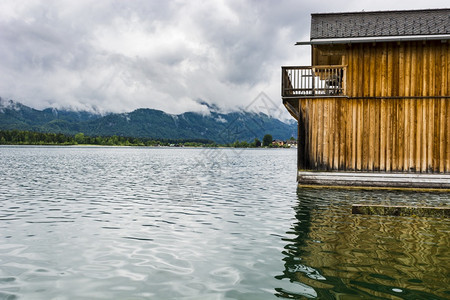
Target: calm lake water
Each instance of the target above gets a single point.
(167, 223)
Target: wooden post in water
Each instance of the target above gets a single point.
(397, 210)
(301, 165)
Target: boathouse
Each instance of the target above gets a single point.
(373, 109)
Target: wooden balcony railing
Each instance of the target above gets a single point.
(313, 81)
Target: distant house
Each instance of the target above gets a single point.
(278, 143)
(373, 109)
(291, 143)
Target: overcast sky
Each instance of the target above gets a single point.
(121, 55)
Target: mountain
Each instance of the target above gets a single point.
(14, 115)
(148, 123)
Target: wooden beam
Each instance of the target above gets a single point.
(301, 138)
(378, 180)
(397, 210)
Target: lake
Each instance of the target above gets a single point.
(179, 223)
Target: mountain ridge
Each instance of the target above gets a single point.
(146, 123)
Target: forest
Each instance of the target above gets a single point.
(21, 137)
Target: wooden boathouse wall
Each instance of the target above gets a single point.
(394, 115)
(398, 69)
(404, 135)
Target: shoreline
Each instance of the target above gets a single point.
(142, 146)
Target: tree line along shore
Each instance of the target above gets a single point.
(20, 137)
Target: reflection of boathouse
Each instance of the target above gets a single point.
(332, 254)
(374, 107)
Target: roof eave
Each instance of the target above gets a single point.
(380, 39)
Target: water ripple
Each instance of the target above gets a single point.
(143, 223)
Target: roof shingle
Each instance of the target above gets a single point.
(380, 24)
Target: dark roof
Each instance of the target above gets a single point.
(380, 24)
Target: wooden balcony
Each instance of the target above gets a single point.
(317, 81)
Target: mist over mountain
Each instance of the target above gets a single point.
(146, 123)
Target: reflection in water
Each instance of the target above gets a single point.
(332, 254)
(143, 223)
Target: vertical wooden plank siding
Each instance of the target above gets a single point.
(369, 132)
(405, 92)
(445, 141)
(383, 63)
(389, 88)
(447, 115)
(325, 151)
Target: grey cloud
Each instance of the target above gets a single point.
(121, 55)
